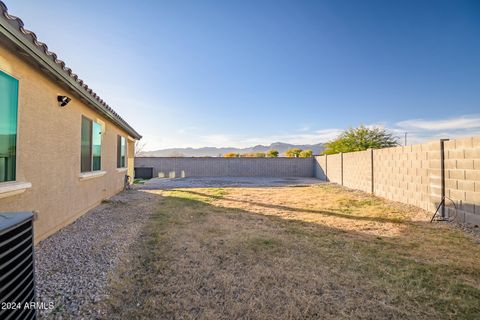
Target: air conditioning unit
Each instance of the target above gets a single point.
(17, 282)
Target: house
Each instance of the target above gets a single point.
(62, 148)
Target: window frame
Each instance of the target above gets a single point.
(92, 124)
(121, 139)
(15, 162)
(96, 126)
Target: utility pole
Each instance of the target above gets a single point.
(406, 138)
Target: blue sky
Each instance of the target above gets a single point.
(240, 73)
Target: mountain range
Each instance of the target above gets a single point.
(218, 152)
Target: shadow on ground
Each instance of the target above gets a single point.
(200, 257)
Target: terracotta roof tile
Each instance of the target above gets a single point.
(28, 35)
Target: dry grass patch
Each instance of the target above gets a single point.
(295, 253)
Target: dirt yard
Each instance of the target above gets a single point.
(298, 252)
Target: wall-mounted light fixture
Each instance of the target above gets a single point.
(63, 100)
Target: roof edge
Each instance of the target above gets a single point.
(13, 28)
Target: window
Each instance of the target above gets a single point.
(121, 152)
(91, 149)
(8, 126)
(97, 147)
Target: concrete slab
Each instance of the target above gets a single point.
(227, 182)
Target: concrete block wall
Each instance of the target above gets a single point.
(409, 174)
(462, 178)
(320, 167)
(418, 174)
(357, 170)
(227, 167)
(353, 170)
(334, 168)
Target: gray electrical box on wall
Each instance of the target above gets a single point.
(17, 279)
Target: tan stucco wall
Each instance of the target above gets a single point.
(48, 152)
(131, 157)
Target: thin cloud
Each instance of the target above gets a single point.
(421, 130)
(327, 134)
(220, 140)
(304, 128)
(186, 130)
(459, 123)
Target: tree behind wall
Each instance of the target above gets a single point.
(253, 155)
(293, 153)
(272, 154)
(231, 155)
(359, 139)
(306, 154)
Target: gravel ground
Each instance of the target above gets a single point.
(474, 231)
(224, 182)
(73, 265)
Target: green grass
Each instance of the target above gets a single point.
(139, 181)
(206, 196)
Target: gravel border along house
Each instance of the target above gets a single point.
(73, 265)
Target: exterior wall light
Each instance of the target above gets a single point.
(63, 100)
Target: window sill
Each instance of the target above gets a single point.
(8, 189)
(91, 175)
(122, 169)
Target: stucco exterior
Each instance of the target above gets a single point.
(48, 151)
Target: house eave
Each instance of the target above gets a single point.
(49, 63)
